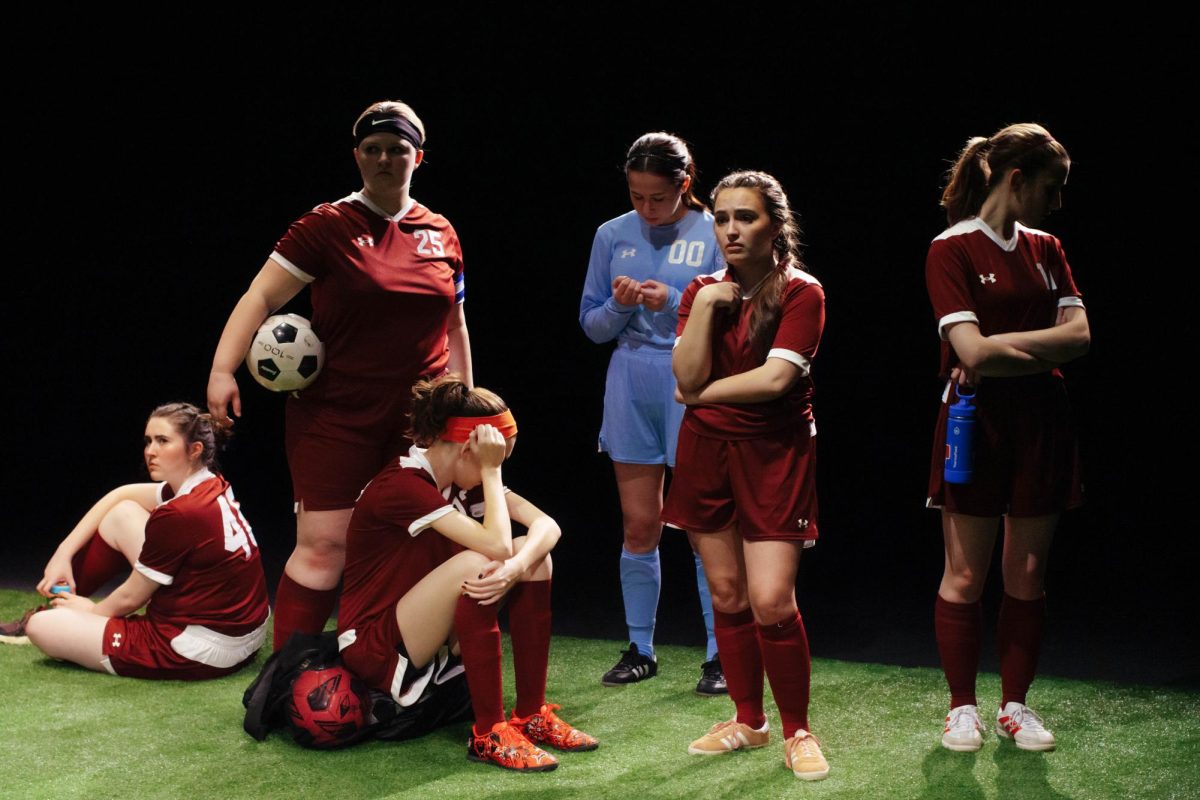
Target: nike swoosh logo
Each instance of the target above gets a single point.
(376, 122)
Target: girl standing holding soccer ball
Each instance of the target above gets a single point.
(641, 262)
(745, 485)
(387, 296)
(1008, 314)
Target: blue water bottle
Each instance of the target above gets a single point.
(960, 439)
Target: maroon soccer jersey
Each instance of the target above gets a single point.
(801, 319)
(202, 551)
(388, 545)
(382, 288)
(1003, 286)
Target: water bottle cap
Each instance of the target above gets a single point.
(958, 392)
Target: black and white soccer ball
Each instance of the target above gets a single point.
(286, 355)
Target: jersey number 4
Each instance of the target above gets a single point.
(429, 243)
(238, 535)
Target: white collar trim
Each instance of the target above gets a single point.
(193, 480)
(1007, 246)
(362, 198)
(416, 460)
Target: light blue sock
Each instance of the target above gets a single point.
(641, 581)
(706, 608)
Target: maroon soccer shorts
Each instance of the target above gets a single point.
(766, 485)
(377, 654)
(335, 446)
(1026, 459)
(135, 647)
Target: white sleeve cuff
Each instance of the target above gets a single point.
(950, 319)
(154, 575)
(1071, 301)
(292, 268)
(793, 357)
(424, 522)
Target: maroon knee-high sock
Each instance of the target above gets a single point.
(95, 565)
(789, 666)
(1019, 640)
(300, 609)
(479, 639)
(742, 660)
(959, 629)
(529, 626)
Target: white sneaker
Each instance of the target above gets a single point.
(964, 730)
(1022, 724)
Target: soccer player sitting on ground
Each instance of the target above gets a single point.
(421, 575)
(195, 562)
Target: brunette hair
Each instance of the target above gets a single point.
(985, 160)
(435, 401)
(393, 107)
(195, 426)
(667, 156)
(764, 314)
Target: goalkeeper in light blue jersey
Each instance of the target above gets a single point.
(640, 264)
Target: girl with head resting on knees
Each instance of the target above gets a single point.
(641, 262)
(422, 575)
(195, 562)
(387, 297)
(1008, 314)
(744, 487)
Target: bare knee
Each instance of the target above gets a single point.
(470, 563)
(962, 585)
(1025, 584)
(46, 631)
(540, 571)
(728, 594)
(772, 604)
(319, 556)
(642, 532)
(123, 528)
(36, 627)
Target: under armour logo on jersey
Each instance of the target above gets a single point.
(365, 241)
(803, 524)
(116, 642)
(628, 252)
(989, 278)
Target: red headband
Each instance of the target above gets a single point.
(458, 429)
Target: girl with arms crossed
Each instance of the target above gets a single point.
(387, 296)
(744, 489)
(1008, 314)
(641, 262)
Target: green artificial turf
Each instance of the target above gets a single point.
(69, 733)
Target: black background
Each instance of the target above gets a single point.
(153, 163)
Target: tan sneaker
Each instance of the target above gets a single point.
(802, 754)
(725, 737)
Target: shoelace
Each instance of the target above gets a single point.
(720, 726)
(964, 718)
(810, 746)
(1027, 719)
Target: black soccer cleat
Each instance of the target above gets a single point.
(712, 679)
(632, 667)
